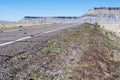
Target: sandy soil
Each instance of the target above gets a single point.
(112, 27)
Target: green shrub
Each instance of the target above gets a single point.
(50, 48)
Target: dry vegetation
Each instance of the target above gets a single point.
(84, 53)
(17, 24)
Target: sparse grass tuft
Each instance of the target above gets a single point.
(50, 48)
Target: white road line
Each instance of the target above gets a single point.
(11, 30)
(52, 30)
(28, 37)
(56, 30)
(23, 38)
(15, 41)
(7, 43)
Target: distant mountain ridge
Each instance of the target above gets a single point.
(106, 15)
(56, 19)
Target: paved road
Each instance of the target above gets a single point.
(8, 36)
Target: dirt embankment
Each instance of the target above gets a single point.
(83, 53)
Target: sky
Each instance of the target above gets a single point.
(14, 10)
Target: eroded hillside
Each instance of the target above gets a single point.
(103, 15)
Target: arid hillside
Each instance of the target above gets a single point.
(86, 52)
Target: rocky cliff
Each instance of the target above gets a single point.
(105, 15)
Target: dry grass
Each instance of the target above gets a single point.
(18, 24)
(83, 53)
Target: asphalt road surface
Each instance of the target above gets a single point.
(9, 36)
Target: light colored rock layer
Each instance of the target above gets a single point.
(102, 15)
(112, 27)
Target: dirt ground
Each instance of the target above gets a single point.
(112, 27)
(86, 52)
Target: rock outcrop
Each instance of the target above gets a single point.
(104, 15)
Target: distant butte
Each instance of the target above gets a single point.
(108, 8)
(104, 15)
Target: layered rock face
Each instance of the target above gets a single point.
(50, 19)
(104, 15)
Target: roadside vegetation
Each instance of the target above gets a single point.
(87, 52)
(4, 25)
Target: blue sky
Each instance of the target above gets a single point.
(14, 10)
